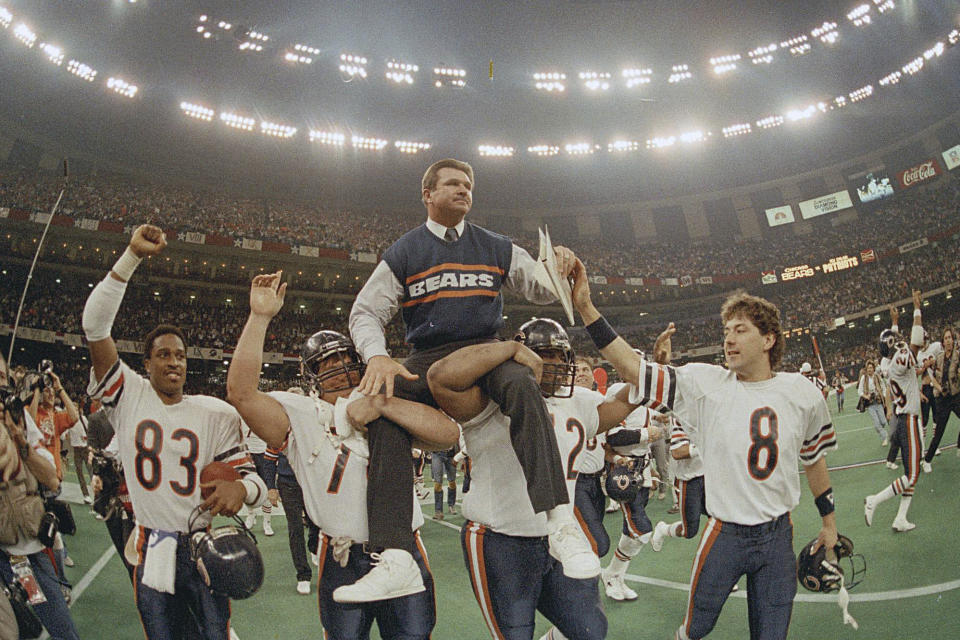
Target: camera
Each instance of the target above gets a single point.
(110, 472)
(45, 368)
(12, 402)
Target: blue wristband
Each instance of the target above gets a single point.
(825, 503)
(601, 332)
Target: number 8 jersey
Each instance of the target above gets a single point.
(163, 447)
(749, 434)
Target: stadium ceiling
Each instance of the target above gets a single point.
(239, 59)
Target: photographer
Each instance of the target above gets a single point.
(24, 463)
(51, 422)
(871, 391)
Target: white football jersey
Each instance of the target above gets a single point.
(254, 443)
(333, 477)
(750, 434)
(164, 447)
(575, 421)
(638, 419)
(591, 459)
(930, 354)
(684, 468)
(904, 385)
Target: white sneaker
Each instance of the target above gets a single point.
(250, 521)
(902, 526)
(868, 508)
(937, 452)
(660, 532)
(927, 467)
(395, 573)
(615, 506)
(267, 527)
(570, 546)
(315, 559)
(615, 588)
(735, 588)
(68, 561)
(885, 443)
(892, 465)
(303, 587)
(87, 500)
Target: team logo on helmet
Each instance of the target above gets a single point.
(543, 335)
(228, 560)
(330, 362)
(888, 342)
(624, 482)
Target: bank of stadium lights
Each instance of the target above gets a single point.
(763, 54)
(623, 146)
(735, 130)
(353, 66)
(595, 80)
(807, 112)
(841, 101)
(405, 146)
(197, 111)
(798, 45)
(543, 150)
(953, 37)
(580, 148)
(496, 150)
(859, 15)
(449, 77)
(331, 138)
(914, 66)
(5, 17)
(551, 81)
(368, 144)
(883, 5)
(770, 122)
(633, 77)
(724, 64)
(25, 34)
(121, 86)
(679, 73)
(53, 53)
(401, 72)
(252, 41)
(934, 52)
(81, 70)
(890, 79)
(277, 130)
(237, 121)
(827, 32)
(301, 54)
(661, 142)
(861, 94)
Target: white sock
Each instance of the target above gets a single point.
(673, 530)
(884, 495)
(904, 507)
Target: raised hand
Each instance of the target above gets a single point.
(917, 299)
(565, 260)
(663, 346)
(267, 294)
(147, 240)
(581, 286)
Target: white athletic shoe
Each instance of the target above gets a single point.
(570, 546)
(885, 443)
(927, 467)
(303, 587)
(902, 526)
(267, 527)
(68, 561)
(615, 588)
(87, 500)
(615, 506)
(250, 521)
(868, 508)
(892, 465)
(394, 574)
(315, 559)
(937, 452)
(660, 532)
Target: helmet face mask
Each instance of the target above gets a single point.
(548, 339)
(330, 363)
(888, 342)
(623, 483)
(824, 570)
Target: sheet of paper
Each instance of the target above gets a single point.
(548, 274)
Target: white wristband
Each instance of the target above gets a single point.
(126, 265)
(254, 498)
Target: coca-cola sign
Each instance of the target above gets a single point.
(920, 173)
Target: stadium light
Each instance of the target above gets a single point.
(859, 15)
(697, 135)
(550, 81)
(953, 37)
(353, 66)
(251, 40)
(763, 54)
(735, 130)
(368, 144)
(543, 150)
(934, 52)
(25, 34)
(405, 146)
(331, 138)
(861, 94)
(121, 86)
(81, 70)
(636, 76)
(237, 121)
(580, 148)
(680, 72)
(801, 114)
(401, 72)
(197, 111)
(890, 79)
(769, 122)
(914, 66)
(277, 130)
(595, 80)
(496, 150)
(449, 77)
(661, 143)
(623, 146)
(798, 45)
(883, 5)
(5, 17)
(301, 54)
(53, 53)
(841, 101)
(827, 32)
(724, 64)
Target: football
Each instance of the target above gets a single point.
(216, 471)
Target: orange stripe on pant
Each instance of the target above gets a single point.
(322, 560)
(586, 529)
(631, 527)
(478, 576)
(706, 543)
(682, 503)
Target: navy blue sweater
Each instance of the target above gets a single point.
(451, 290)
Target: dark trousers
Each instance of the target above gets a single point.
(440, 464)
(941, 415)
(79, 459)
(120, 525)
(930, 404)
(54, 613)
(588, 501)
(292, 496)
(513, 387)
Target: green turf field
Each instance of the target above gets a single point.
(911, 590)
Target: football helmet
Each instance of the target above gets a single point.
(228, 561)
(322, 346)
(541, 335)
(823, 572)
(623, 483)
(888, 342)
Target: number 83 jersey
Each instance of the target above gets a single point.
(164, 447)
(750, 434)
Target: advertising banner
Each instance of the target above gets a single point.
(194, 237)
(868, 255)
(951, 157)
(780, 215)
(916, 244)
(926, 170)
(825, 204)
(769, 277)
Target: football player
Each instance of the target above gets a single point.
(751, 425)
(511, 566)
(816, 377)
(165, 438)
(588, 496)
(905, 395)
(927, 359)
(687, 487)
(318, 436)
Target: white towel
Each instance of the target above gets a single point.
(160, 565)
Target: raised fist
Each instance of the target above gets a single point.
(147, 240)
